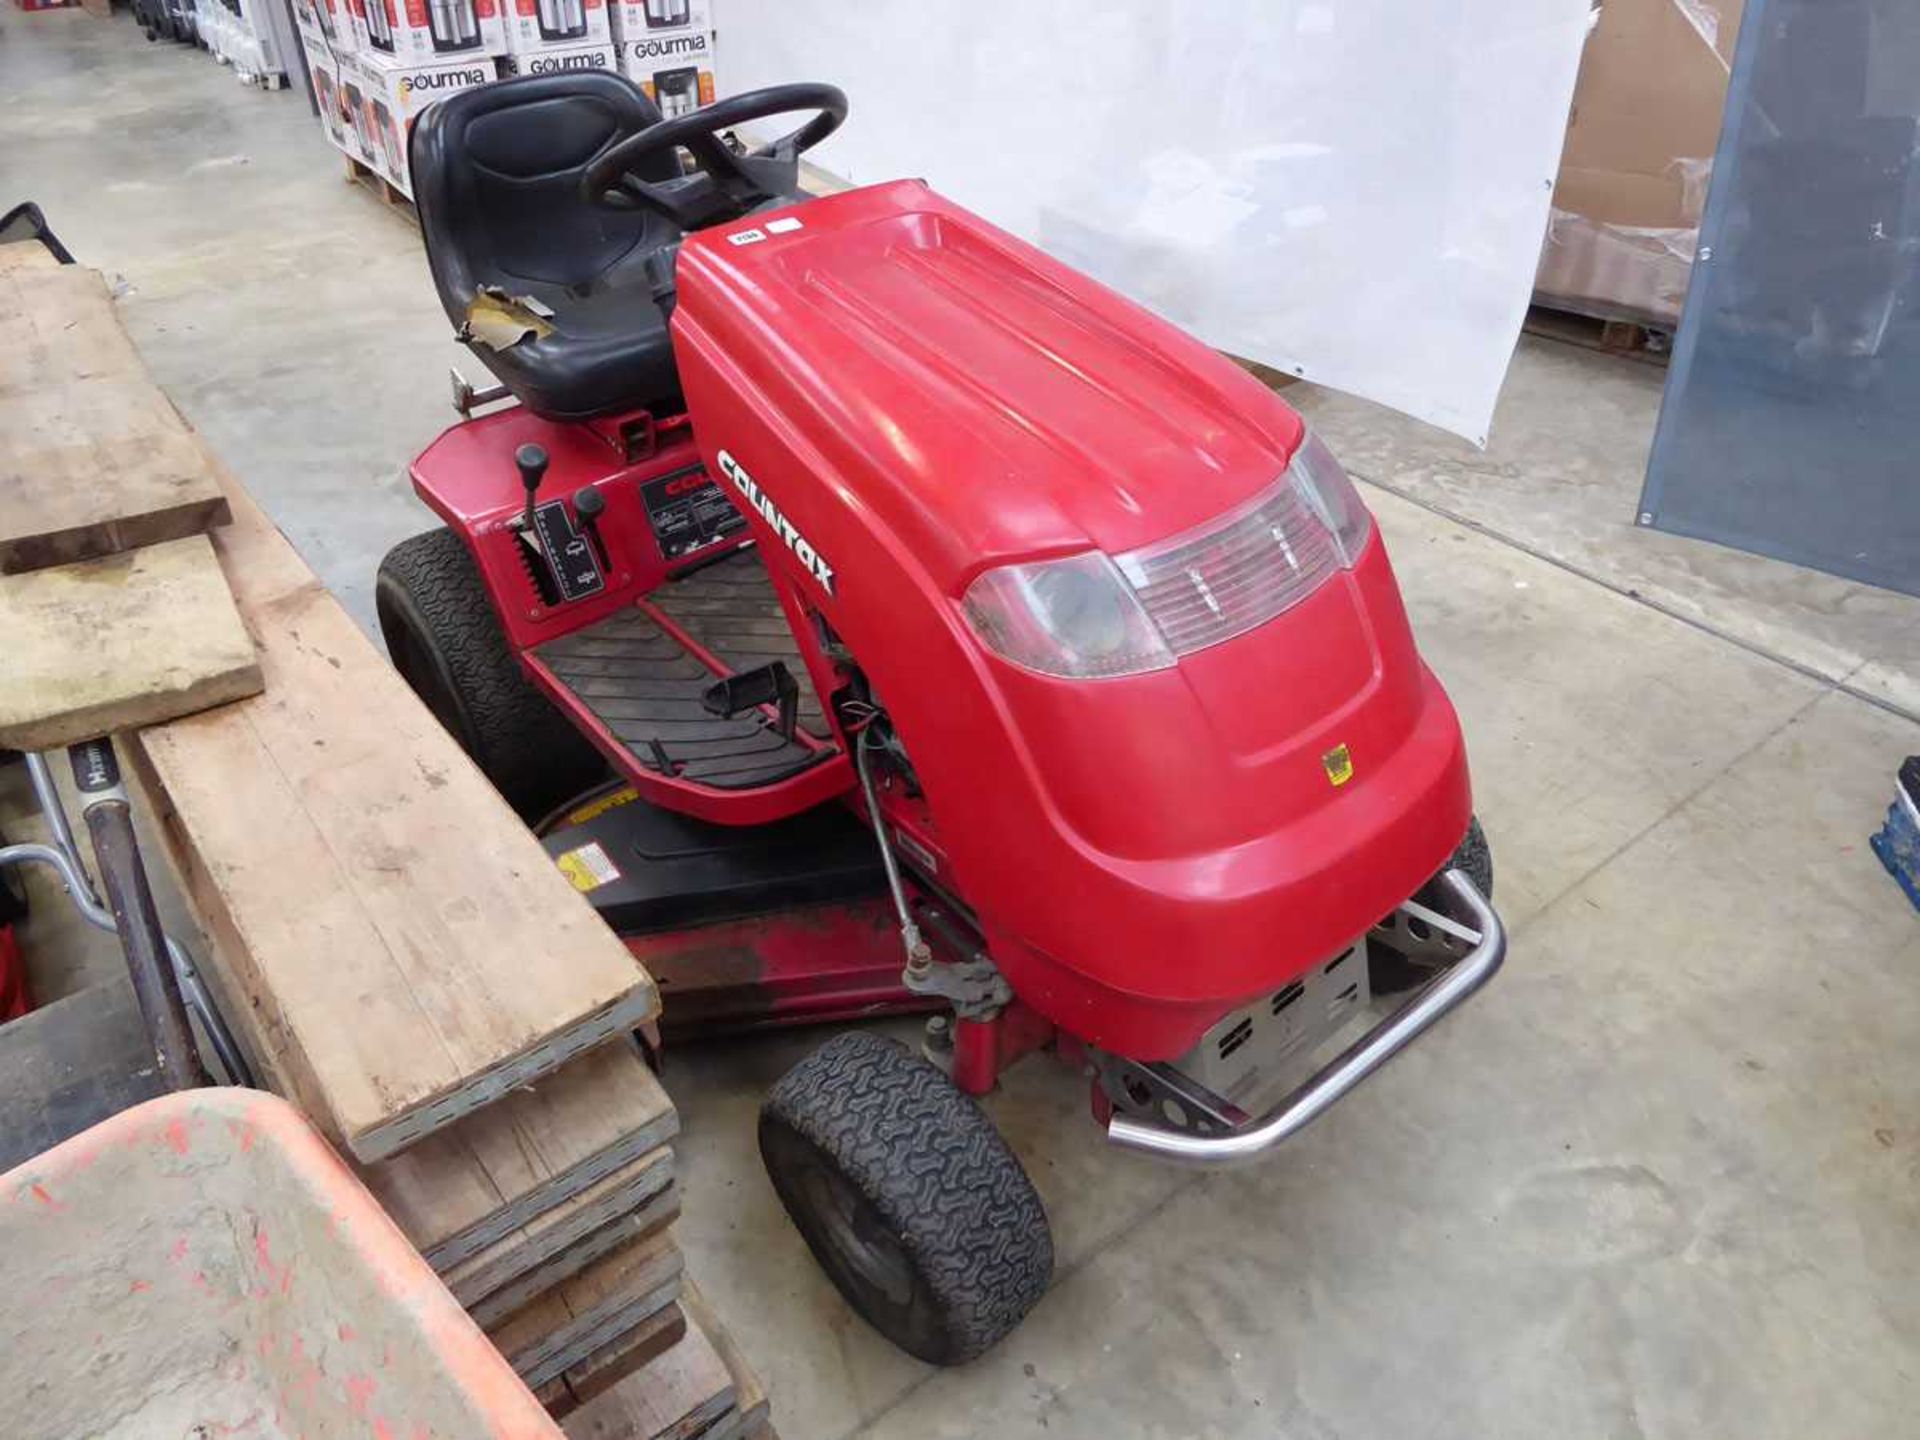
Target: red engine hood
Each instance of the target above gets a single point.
(906, 396)
(915, 333)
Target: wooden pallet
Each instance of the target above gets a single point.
(1612, 335)
(392, 196)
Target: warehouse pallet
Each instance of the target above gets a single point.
(1610, 334)
(394, 198)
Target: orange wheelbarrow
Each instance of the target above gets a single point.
(204, 1265)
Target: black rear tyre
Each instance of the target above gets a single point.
(444, 639)
(1388, 971)
(907, 1196)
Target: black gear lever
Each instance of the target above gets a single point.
(532, 462)
(566, 565)
(590, 505)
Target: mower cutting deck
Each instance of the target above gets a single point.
(958, 636)
(742, 928)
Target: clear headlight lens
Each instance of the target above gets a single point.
(1324, 484)
(1089, 616)
(1074, 617)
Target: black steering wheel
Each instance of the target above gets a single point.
(725, 186)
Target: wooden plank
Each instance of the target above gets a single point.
(677, 1395)
(17, 256)
(546, 1146)
(590, 1088)
(108, 644)
(577, 1198)
(61, 327)
(751, 1404)
(587, 1334)
(511, 1278)
(613, 1362)
(384, 910)
(469, 1187)
(546, 1338)
(94, 459)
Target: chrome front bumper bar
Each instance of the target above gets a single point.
(1340, 1075)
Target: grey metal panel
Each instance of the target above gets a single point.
(1793, 406)
(71, 1064)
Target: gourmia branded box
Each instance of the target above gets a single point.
(328, 21)
(537, 25)
(394, 94)
(676, 76)
(553, 59)
(427, 31)
(324, 67)
(636, 19)
(350, 131)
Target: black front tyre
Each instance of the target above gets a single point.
(907, 1196)
(1388, 971)
(445, 641)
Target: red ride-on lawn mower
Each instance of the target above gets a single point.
(959, 638)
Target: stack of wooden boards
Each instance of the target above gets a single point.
(392, 947)
(113, 610)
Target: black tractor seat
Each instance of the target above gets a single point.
(496, 177)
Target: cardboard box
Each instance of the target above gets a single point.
(330, 22)
(394, 94)
(353, 136)
(553, 59)
(652, 54)
(637, 19)
(324, 70)
(1640, 144)
(430, 32)
(354, 13)
(676, 84)
(534, 26)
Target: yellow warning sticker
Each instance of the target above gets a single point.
(600, 805)
(588, 867)
(1338, 763)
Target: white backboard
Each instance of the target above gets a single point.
(1352, 190)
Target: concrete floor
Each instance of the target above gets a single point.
(1661, 1179)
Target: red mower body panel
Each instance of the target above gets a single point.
(903, 397)
(466, 477)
